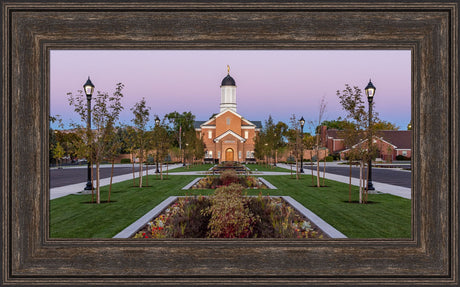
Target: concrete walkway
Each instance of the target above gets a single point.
(379, 187)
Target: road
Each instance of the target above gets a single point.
(72, 175)
(69, 175)
(383, 175)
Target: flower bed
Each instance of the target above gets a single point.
(226, 178)
(229, 214)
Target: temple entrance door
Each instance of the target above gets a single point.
(229, 154)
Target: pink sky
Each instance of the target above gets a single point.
(276, 82)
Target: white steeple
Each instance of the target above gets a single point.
(228, 93)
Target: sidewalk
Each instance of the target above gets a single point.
(78, 187)
(379, 187)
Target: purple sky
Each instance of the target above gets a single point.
(280, 82)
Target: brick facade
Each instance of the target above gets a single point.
(228, 137)
(389, 143)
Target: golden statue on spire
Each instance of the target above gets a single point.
(228, 69)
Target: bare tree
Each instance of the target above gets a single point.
(321, 113)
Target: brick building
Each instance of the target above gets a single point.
(389, 143)
(227, 135)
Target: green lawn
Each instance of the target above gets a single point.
(387, 216)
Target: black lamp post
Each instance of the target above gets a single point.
(370, 92)
(89, 89)
(302, 122)
(157, 125)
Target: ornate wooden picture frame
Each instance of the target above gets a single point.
(30, 30)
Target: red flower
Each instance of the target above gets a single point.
(160, 228)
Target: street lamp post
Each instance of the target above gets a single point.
(370, 92)
(157, 125)
(89, 89)
(302, 122)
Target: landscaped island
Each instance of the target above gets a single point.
(230, 214)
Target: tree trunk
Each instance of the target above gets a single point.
(324, 168)
(167, 170)
(349, 185)
(318, 176)
(296, 169)
(147, 175)
(98, 190)
(291, 169)
(367, 184)
(311, 168)
(140, 169)
(111, 177)
(361, 181)
(134, 176)
(161, 171)
(92, 183)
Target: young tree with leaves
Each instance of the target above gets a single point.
(161, 143)
(105, 112)
(141, 118)
(357, 134)
(270, 141)
(295, 142)
(58, 153)
(181, 125)
(279, 138)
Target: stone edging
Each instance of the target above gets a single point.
(188, 186)
(318, 221)
(138, 224)
(134, 227)
(264, 181)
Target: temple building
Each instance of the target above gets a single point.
(228, 136)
